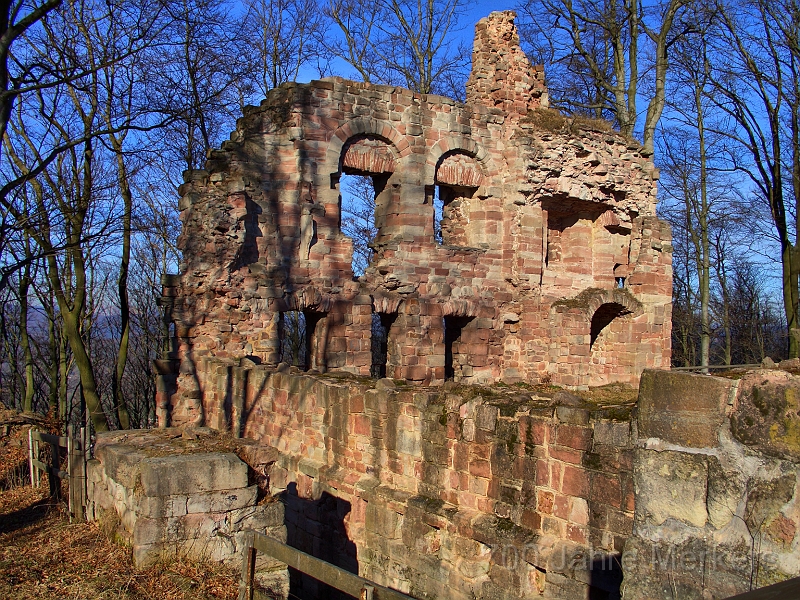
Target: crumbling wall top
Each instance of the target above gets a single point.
(502, 76)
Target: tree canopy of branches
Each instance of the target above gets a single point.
(402, 42)
(602, 57)
(104, 104)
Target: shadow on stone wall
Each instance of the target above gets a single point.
(317, 528)
(605, 578)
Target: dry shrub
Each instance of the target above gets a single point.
(553, 121)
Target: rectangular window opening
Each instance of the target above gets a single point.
(453, 360)
(381, 328)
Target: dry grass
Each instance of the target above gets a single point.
(43, 556)
(553, 121)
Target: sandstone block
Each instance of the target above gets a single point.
(682, 408)
(767, 417)
(670, 485)
(487, 417)
(571, 415)
(263, 517)
(161, 507)
(612, 433)
(725, 490)
(120, 463)
(221, 501)
(190, 474)
(658, 570)
(384, 521)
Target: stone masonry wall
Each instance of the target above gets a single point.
(551, 266)
(716, 468)
(472, 492)
(454, 492)
(171, 494)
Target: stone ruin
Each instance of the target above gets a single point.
(551, 267)
(550, 264)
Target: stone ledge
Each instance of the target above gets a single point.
(682, 408)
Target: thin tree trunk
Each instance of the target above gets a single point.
(704, 271)
(52, 368)
(24, 338)
(122, 285)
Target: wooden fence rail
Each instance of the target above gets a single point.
(717, 367)
(76, 466)
(334, 576)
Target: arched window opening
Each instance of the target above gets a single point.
(458, 215)
(381, 330)
(367, 163)
(438, 209)
(452, 206)
(357, 214)
(620, 275)
(454, 359)
(169, 345)
(603, 317)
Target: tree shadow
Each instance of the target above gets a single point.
(317, 527)
(25, 517)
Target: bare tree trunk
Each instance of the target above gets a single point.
(704, 268)
(24, 338)
(122, 288)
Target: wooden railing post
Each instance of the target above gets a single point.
(53, 479)
(34, 471)
(322, 571)
(247, 584)
(76, 467)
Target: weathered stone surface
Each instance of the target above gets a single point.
(225, 500)
(612, 433)
(671, 485)
(767, 416)
(682, 408)
(766, 498)
(183, 503)
(692, 569)
(120, 462)
(171, 475)
(725, 489)
(256, 455)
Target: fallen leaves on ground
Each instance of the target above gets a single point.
(43, 556)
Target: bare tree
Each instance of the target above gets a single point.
(402, 42)
(283, 38)
(757, 85)
(602, 48)
(16, 17)
(697, 189)
(198, 80)
(358, 218)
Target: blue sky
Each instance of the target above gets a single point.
(479, 9)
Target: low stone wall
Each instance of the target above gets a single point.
(172, 494)
(444, 492)
(491, 493)
(716, 470)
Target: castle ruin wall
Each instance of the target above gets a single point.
(548, 264)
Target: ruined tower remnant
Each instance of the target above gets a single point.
(551, 263)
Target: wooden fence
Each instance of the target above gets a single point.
(334, 576)
(779, 591)
(76, 466)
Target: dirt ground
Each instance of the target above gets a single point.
(43, 556)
